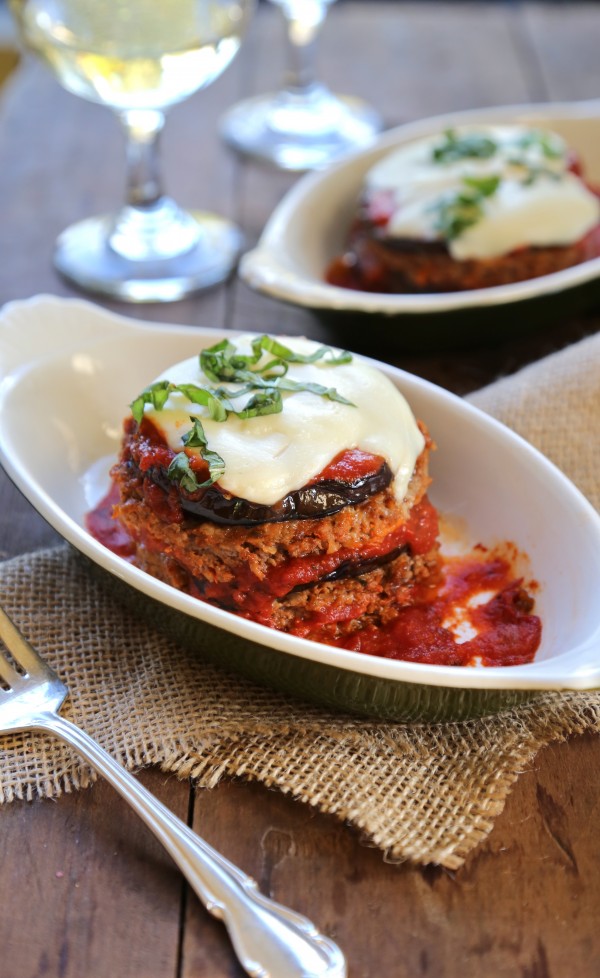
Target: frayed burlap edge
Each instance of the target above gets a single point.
(433, 811)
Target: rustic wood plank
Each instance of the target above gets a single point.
(409, 59)
(21, 529)
(87, 888)
(563, 38)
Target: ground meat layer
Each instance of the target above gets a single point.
(376, 263)
(334, 609)
(353, 566)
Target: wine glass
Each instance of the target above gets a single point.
(303, 126)
(139, 57)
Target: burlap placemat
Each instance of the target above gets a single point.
(424, 792)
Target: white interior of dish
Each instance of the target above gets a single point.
(70, 370)
(309, 226)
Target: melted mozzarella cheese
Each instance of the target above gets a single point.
(269, 456)
(538, 201)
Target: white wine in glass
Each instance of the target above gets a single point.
(139, 57)
(304, 125)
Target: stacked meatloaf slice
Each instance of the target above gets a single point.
(377, 263)
(335, 556)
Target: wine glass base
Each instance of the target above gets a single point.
(296, 133)
(84, 257)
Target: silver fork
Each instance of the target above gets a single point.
(270, 940)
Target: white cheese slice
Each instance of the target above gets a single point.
(540, 202)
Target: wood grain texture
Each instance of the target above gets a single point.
(503, 914)
(90, 891)
(526, 904)
(562, 38)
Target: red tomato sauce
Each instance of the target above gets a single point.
(102, 526)
(446, 627)
(477, 610)
(350, 466)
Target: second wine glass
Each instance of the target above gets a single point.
(139, 57)
(303, 126)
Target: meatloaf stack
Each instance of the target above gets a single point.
(470, 209)
(342, 551)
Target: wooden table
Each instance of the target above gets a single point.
(85, 891)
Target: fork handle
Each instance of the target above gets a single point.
(270, 940)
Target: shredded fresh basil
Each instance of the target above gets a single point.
(535, 172)
(458, 211)
(264, 402)
(469, 145)
(180, 469)
(545, 141)
(158, 393)
(222, 363)
(280, 384)
(329, 392)
(202, 395)
(482, 186)
(531, 173)
(477, 145)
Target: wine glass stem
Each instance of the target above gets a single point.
(143, 128)
(303, 24)
(151, 226)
